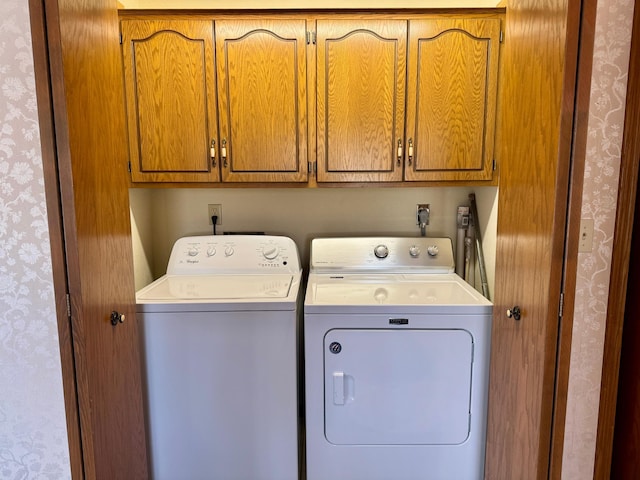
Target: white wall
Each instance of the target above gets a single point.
(33, 435)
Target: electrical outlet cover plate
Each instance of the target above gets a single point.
(215, 209)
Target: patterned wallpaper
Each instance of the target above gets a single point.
(599, 198)
(33, 435)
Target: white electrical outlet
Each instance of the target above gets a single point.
(586, 235)
(215, 209)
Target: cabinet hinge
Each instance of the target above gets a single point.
(120, 38)
(129, 166)
(68, 300)
(311, 167)
(501, 36)
(561, 306)
(495, 165)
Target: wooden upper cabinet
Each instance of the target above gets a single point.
(361, 78)
(451, 99)
(262, 95)
(170, 90)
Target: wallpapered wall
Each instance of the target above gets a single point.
(33, 435)
(599, 198)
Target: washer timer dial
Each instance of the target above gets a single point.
(270, 252)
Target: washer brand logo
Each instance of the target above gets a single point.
(193, 261)
(335, 347)
(398, 321)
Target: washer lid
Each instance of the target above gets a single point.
(211, 288)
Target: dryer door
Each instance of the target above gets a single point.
(397, 387)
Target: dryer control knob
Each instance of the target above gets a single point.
(192, 252)
(270, 252)
(414, 251)
(211, 251)
(381, 251)
(228, 251)
(432, 250)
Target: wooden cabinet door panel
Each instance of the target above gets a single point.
(451, 107)
(361, 75)
(169, 72)
(262, 93)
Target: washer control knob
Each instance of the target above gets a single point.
(414, 251)
(270, 252)
(192, 252)
(432, 250)
(211, 251)
(381, 251)
(228, 251)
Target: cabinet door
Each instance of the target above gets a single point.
(451, 99)
(262, 91)
(361, 74)
(170, 89)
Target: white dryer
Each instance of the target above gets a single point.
(396, 362)
(220, 346)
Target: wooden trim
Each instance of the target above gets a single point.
(56, 234)
(67, 202)
(215, 14)
(620, 260)
(580, 124)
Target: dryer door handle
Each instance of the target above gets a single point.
(338, 388)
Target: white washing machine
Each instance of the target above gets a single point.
(396, 362)
(220, 336)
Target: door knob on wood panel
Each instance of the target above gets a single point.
(117, 318)
(514, 313)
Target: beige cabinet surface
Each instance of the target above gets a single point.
(262, 96)
(451, 98)
(170, 91)
(361, 68)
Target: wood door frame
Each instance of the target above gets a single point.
(582, 101)
(627, 192)
(52, 179)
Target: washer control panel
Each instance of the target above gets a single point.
(386, 254)
(209, 254)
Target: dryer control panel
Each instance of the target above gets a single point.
(382, 254)
(233, 254)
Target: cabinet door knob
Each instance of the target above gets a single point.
(117, 318)
(212, 152)
(399, 152)
(514, 313)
